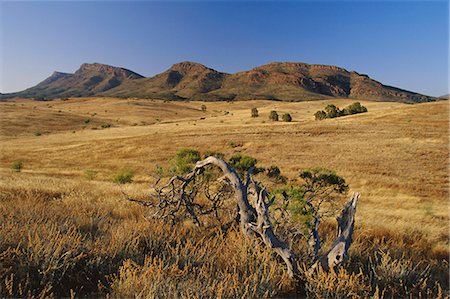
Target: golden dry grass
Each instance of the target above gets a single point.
(396, 155)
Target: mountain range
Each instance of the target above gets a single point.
(285, 81)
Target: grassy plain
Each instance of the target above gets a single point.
(396, 155)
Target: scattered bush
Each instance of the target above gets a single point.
(104, 126)
(273, 115)
(242, 163)
(319, 115)
(331, 111)
(274, 174)
(124, 176)
(37, 134)
(87, 120)
(184, 161)
(90, 174)
(203, 108)
(286, 117)
(16, 166)
(254, 112)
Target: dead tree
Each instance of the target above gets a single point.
(253, 202)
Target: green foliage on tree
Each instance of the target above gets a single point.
(331, 111)
(274, 174)
(286, 117)
(254, 112)
(273, 115)
(319, 115)
(322, 187)
(242, 163)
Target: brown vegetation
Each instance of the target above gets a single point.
(63, 234)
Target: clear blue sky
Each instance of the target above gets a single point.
(403, 43)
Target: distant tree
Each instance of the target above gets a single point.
(332, 111)
(319, 115)
(203, 107)
(16, 166)
(287, 117)
(273, 115)
(254, 112)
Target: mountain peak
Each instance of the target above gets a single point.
(188, 67)
(289, 81)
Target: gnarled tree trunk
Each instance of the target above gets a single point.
(253, 211)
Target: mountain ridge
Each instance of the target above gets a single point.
(188, 80)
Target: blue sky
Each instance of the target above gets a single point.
(400, 43)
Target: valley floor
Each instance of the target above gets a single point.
(396, 155)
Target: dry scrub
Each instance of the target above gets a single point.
(63, 235)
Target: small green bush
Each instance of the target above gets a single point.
(16, 166)
(123, 177)
(242, 163)
(203, 108)
(90, 174)
(37, 134)
(319, 115)
(104, 126)
(254, 112)
(286, 117)
(274, 174)
(185, 160)
(273, 115)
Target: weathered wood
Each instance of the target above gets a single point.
(339, 249)
(247, 213)
(253, 214)
(264, 229)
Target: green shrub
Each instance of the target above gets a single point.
(319, 115)
(17, 166)
(355, 108)
(104, 126)
(274, 174)
(286, 117)
(87, 120)
(203, 108)
(273, 115)
(185, 160)
(123, 177)
(90, 174)
(254, 112)
(37, 134)
(242, 163)
(332, 111)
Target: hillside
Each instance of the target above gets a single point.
(89, 79)
(284, 81)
